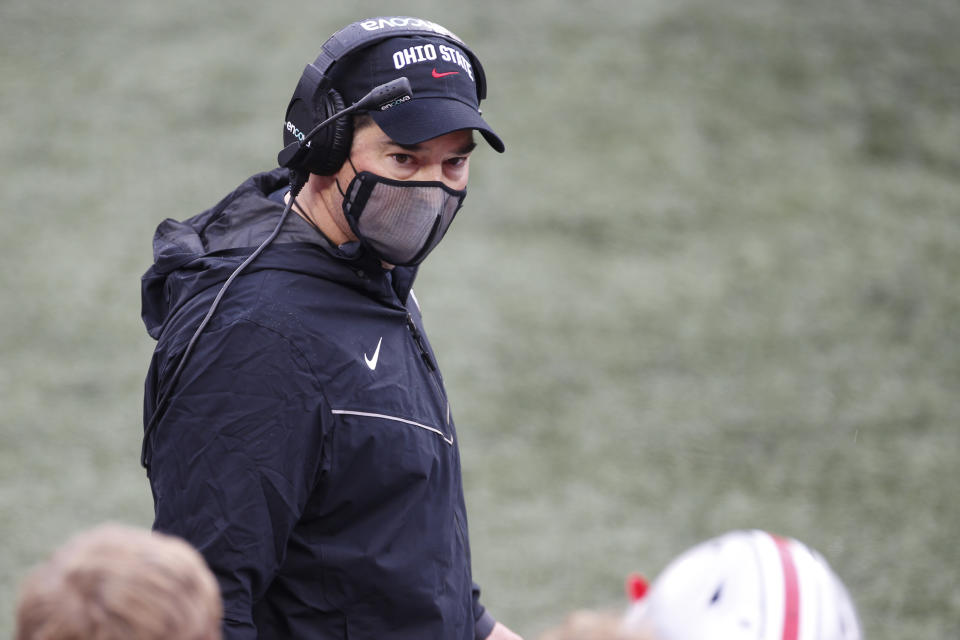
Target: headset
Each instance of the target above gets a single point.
(314, 99)
(317, 135)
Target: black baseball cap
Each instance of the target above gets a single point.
(441, 77)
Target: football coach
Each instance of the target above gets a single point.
(297, 428)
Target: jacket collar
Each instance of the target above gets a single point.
(202, 251)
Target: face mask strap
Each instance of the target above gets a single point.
(337, 181)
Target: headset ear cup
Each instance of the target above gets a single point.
(330, 149)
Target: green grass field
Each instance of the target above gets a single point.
(712, 284)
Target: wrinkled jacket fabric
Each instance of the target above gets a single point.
(307, 448)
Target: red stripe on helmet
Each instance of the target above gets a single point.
(791, 590)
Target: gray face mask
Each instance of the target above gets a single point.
(400, 221)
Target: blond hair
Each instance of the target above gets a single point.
(115, 582)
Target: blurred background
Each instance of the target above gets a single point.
(712, 284)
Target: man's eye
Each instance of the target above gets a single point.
(401, 158)
(457, 162)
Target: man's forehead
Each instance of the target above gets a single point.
(462, 141)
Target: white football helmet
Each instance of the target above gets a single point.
(746, 585)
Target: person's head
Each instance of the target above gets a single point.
(394, 177)
(743, 585)
(747, 585)
(115, 582)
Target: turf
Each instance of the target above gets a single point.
(712, 284)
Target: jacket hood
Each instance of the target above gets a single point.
(203, 251)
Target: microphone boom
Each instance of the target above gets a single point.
(381, 97)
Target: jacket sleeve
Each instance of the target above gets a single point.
(235, 458)
(484, 622)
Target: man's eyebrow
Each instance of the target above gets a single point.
(407, 147)
(465, 149)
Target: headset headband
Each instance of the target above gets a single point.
(364, 33)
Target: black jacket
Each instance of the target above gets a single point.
(307, 449)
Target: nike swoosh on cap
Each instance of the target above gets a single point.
(437, 74)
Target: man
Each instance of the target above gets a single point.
(743, 585)
(297, 427)
(120, 583)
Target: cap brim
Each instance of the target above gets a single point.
(422, 119)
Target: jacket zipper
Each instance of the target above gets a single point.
(418, 338)
(431, 365)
